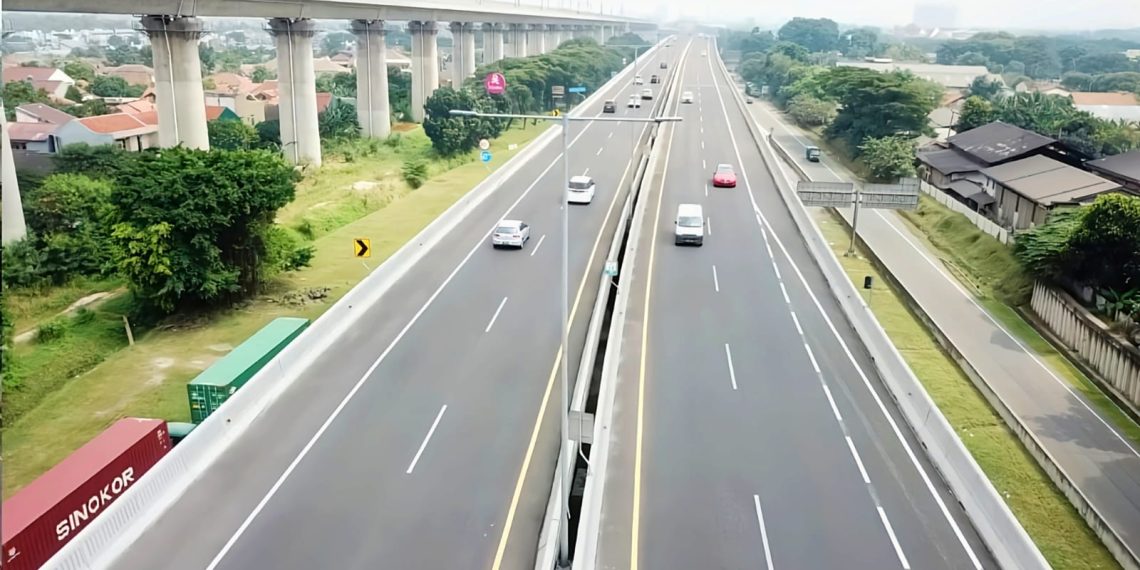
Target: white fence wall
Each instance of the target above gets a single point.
(1118, 363)
(983, 223)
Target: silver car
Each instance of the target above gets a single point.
(510, 233)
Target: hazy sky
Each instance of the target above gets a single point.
(1005, 14)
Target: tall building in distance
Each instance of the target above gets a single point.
(929, 15)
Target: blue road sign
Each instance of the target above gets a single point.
(579, 89)
(485, 156)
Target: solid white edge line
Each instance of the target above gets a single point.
(360, 383)
(538, 245)
(496, 315)
(427, 438)
(831, 400)
(811, 355)
(894, 539)
(858, 460)
(763, 531)
(731, 370)
(716, 281)
(847, 351)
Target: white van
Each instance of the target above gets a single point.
(581, 190)
(689, 225)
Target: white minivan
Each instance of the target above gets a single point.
(689, 225)
(580, 189)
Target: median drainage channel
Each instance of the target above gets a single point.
(611, 283)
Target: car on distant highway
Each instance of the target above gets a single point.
(647, 94)
(724, 176)
(510, 233)
(609, 106)
(581, 190)
(664, 65)
(689, 227)
(634, 102)
(704, 53)
(637, 80)
(654, 79)
(687, 97)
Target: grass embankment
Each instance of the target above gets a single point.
(1048, 517)
(989, 269)
(148, 380)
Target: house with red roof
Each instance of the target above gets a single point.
(35, 127)
(54, 81)
(128, 131)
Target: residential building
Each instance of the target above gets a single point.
(54, 81)
(1109, 106)
(233, 83)
(1123, 169)
(321, 66)
(128, 131)
(133, 73)
(273, 111)
(40, 113)
(37, 138)
(1026, 190)
(949, 76)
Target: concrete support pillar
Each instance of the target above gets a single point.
(516, 36)
(297, 87)
(600, 34)
(462, 52)
(373, 111)
(178, 80)
(425, 65)
(553, 37)
(492, 43)
(536, 40)
(14, 227)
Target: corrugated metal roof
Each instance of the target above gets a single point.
(45, 113)
(1047, 181)
(998, 141)
(1125, 165)
(949, 161)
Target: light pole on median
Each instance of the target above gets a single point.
(564, 412)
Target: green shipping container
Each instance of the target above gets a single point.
(217, 383)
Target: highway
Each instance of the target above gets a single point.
(427, 439)
(750, 429)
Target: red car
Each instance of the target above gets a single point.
(724, 177)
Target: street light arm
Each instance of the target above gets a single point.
(469, 113)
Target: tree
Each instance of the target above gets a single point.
(125, 54)
(335, 42)
(1106, 246)
(268, 134)
(861, 42)
(756, 42)
(976, 112)
(905, 52)
(114, 86)
(1044, 250)
(80, 70)
(191, 228)
(207, 57)
(814, 34)
(450, 135)
(985, 87)
(68, 217)
(1077, 81)
(972, 58)
(89, 108)
(400, 92)
(261, 74)
(231, 135)
(1097, 63)
(875, 105)
(16, 93)
(888, 158)
(99, 162)
(1125, 81)
(811, 111)
(338, 121)
(115, 41)
(74, 94)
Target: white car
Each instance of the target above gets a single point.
(637, 80)
(647, 94)
(581, 190)
(704, 53)
(687, 97)
(634, 102)
(510, 233)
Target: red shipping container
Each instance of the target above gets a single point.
(51, 510)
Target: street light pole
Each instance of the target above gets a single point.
(564, 408)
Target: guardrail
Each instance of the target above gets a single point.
(548, 536)
(994, 522)
(123, 522)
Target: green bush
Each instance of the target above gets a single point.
(52, 330)
(415, 172)
(284, 251)
(83, 316)
(21, 267)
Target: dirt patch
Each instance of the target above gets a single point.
(220, 347)
(303, 296)
(404, 127)
(89, 301)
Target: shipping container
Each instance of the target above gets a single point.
(179, 430)
(217, 383)
(51, 510)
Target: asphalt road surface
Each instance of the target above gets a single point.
(751, 430)
(444, 456)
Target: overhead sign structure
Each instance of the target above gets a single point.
(495, 83)
(362, 247)
(826, 194)
(485, 156)
(901, 196)
(558, 91)
(578, 89)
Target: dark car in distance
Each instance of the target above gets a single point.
(609, 106)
